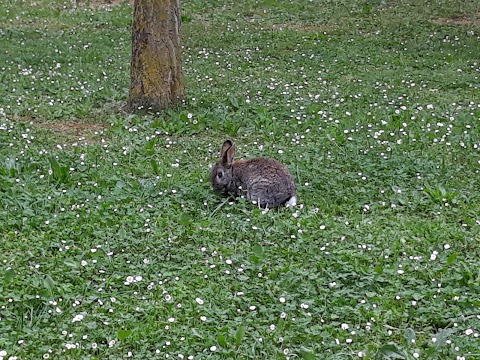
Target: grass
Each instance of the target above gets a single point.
(114, 246)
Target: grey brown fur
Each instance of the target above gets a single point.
(263, 180)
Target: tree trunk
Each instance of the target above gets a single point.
(156, 69)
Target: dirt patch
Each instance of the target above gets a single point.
(102, 4)
(458, 20)
(68, 131)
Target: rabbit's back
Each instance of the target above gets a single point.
(266, 181)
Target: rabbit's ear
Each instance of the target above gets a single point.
(227, 153)
(226, 145)
(230, 155)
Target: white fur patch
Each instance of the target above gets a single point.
(291, 202)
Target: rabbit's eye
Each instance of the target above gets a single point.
(220, 174)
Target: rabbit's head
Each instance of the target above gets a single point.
(222, 172)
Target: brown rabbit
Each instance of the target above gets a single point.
(263, 180)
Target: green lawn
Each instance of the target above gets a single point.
(113, 245)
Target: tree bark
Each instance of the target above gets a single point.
(156, 69)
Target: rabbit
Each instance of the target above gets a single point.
(263, 180)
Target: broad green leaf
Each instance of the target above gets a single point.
(409, 335)
(185, 219)
(221, 340)
(239, 334)
(451, 258)
(155, 167)
(258, 251)
(442, 337)
(48, 282)
(71, 263)
(123, 334)
(307, 353)
(390, 351)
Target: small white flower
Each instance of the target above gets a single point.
(282, 300)
(213, 348)
(77, 318)
(171, 320)
(345, 326)
(468, 332)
